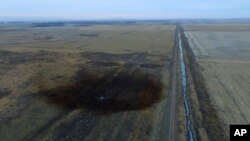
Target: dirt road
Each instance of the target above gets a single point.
(173, 95)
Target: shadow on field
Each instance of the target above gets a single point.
(111, 90)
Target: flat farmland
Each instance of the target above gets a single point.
(84, 82)
(223, 52)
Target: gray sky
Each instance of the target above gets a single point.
(117, 9)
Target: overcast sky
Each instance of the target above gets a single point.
(122, 9)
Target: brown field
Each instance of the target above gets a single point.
(223, 52)
(96, 82)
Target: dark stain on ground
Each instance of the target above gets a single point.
(150, 65)
(104, 63)
(102, 86)
(106, 91)
(109, 83)
(4, 92)
(97, 56)
(126, 57)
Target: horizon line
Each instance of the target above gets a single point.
(4, 19)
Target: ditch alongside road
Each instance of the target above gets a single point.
(184, 91)
(206, 124)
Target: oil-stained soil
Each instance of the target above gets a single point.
(118, 87)
(90, 82)
(105, 84)
(97, 90)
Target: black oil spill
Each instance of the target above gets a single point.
(109, 91)
(110, 83)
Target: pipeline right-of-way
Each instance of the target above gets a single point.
(184, 92)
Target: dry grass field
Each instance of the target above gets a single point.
(223, 52)
(95, 82)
